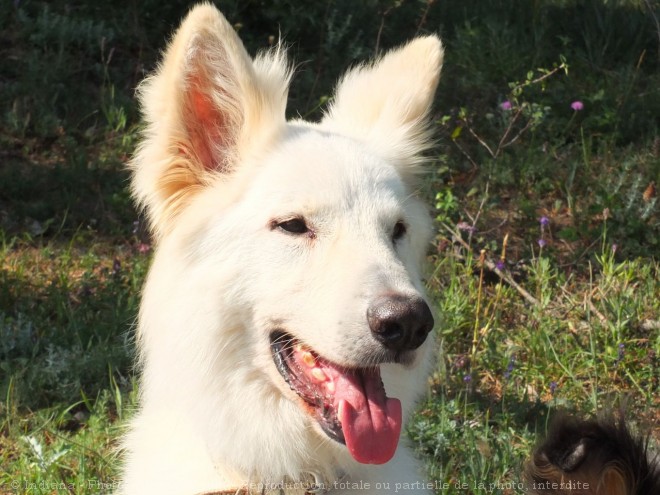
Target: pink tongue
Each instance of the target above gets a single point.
(371, 421)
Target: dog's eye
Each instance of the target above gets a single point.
(399, 231)
(294, 226)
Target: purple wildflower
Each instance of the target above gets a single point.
(506, 105)
(544, 221)
(553, 387)
(500, 265)
(510, 367)
(143, 248)
(466, 227)
(620, 353)
(577, 105)
(467, 378)
(542, 243)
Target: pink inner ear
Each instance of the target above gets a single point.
(205, 124)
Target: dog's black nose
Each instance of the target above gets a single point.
(400, 323)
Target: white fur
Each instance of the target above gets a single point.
(217, 166)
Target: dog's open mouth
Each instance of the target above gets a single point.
(350, 405)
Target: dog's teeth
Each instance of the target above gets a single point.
(319, 375)
(308, 359)
(330, 386)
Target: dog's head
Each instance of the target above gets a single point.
(304, 240)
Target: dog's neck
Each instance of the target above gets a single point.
(309, 485)
(245, 491)
(242, 491)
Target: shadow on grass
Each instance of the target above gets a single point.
(51, 197)
(66, 322)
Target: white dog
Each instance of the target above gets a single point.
(283, 328)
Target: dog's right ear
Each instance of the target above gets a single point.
(386, 103)
(205, 106)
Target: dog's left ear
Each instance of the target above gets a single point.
(386, 103)
(206, 108)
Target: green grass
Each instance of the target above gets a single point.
(571, 325)
(584, 346)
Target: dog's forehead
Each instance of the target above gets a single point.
(319, 164)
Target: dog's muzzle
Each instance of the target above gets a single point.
(350, 404)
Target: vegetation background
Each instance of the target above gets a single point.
(544, 270)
